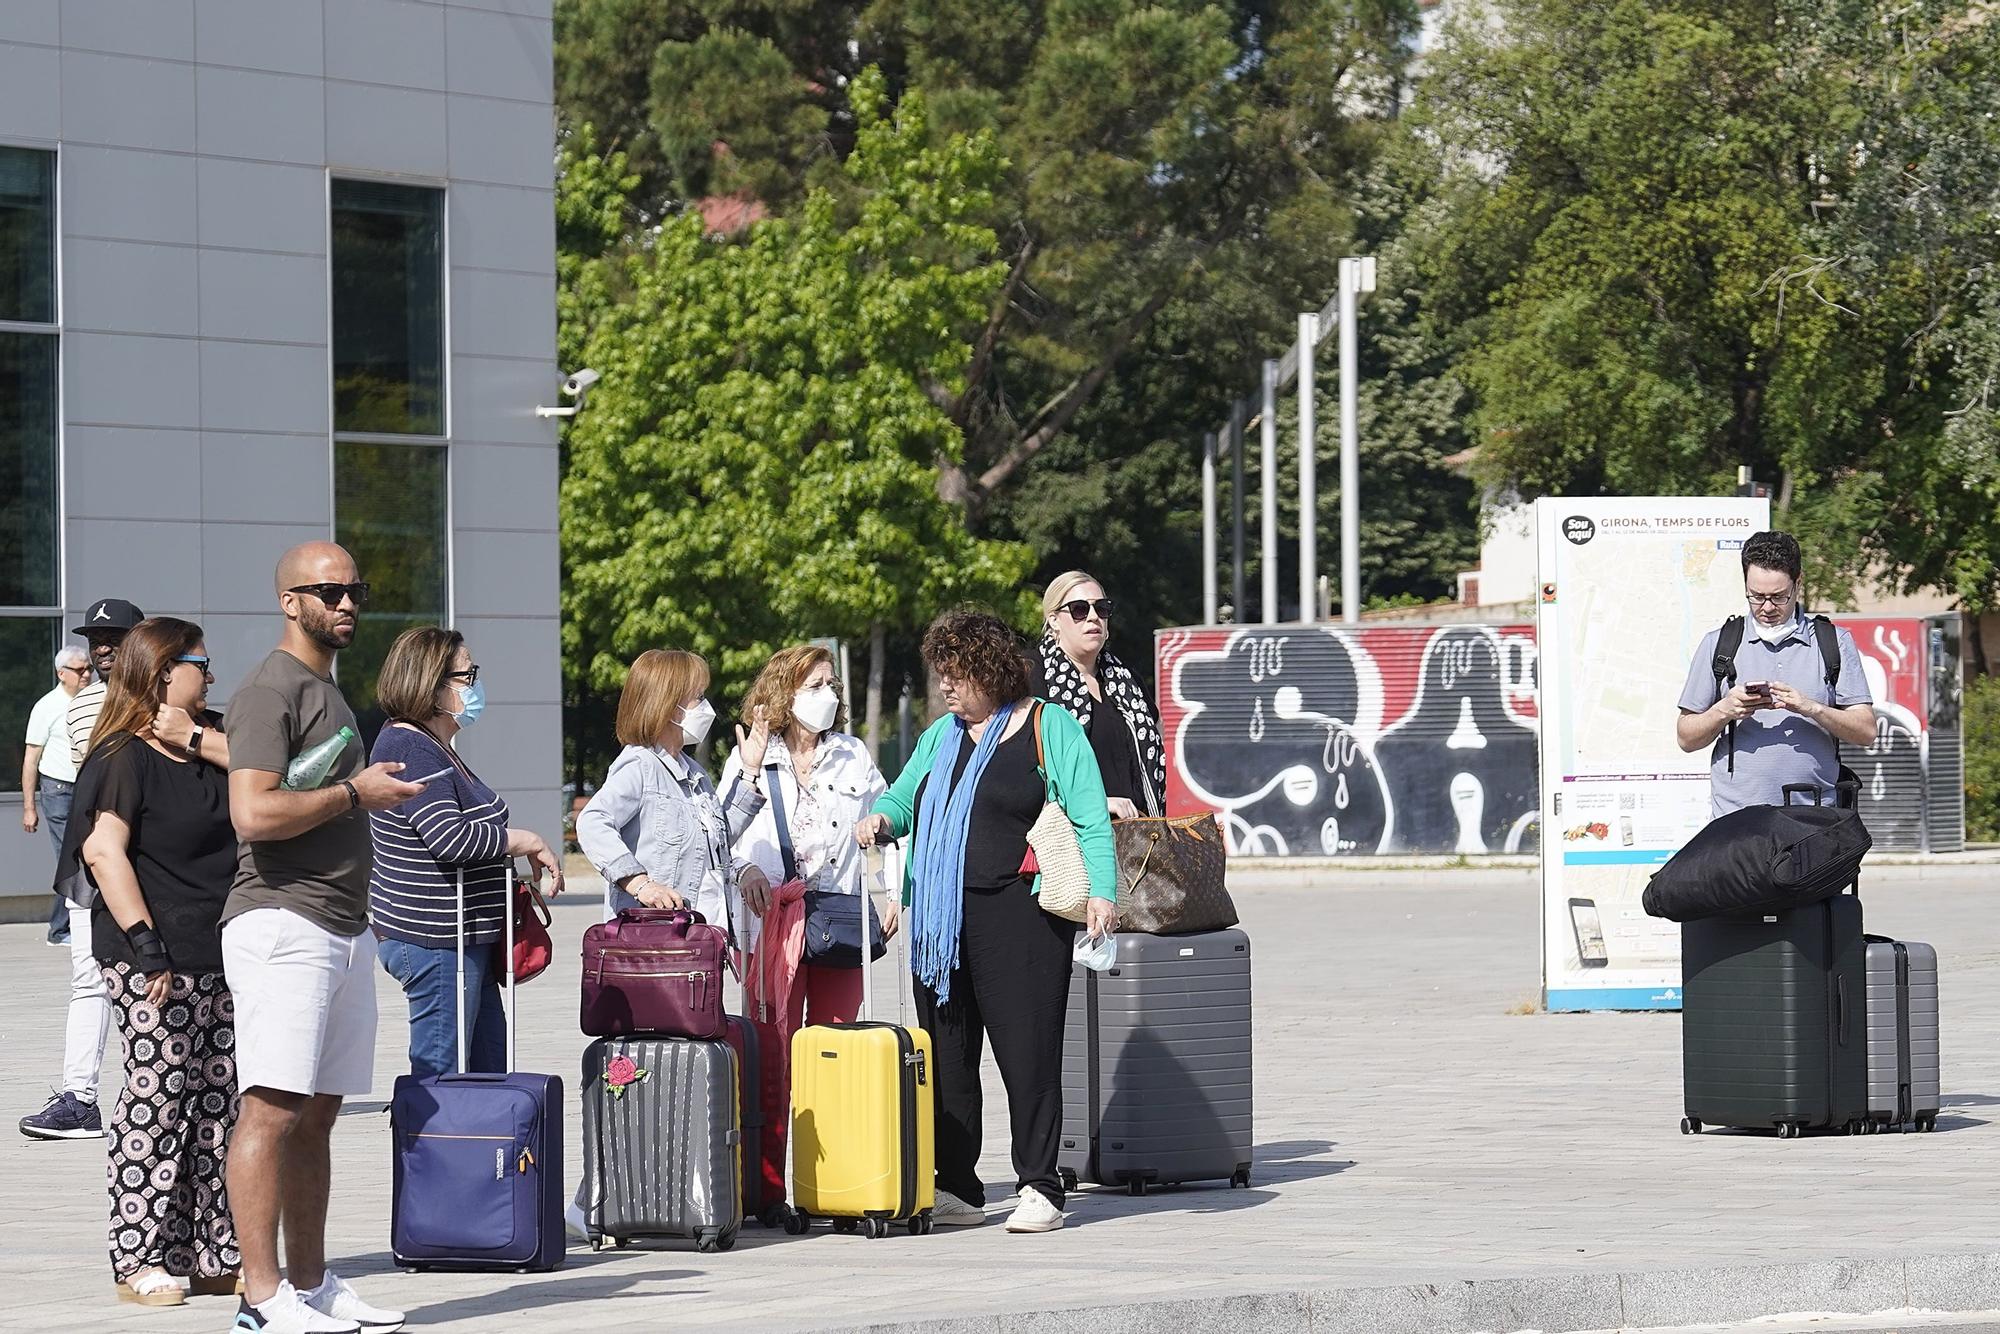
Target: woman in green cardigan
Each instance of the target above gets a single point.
(989, 963)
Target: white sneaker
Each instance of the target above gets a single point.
(1034, 1213)
(950, 1211)
(336, 1298)
(287, 1313)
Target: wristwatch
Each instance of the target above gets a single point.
(194, 741)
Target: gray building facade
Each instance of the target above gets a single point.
(276, 270)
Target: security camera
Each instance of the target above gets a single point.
(576, 386)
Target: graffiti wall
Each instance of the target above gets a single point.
(1316, 740)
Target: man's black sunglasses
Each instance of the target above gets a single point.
(1080, 610)
(331, 594)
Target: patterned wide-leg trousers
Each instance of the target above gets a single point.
(169, 1134)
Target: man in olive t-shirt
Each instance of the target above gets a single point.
(296, 948)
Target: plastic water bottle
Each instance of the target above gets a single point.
(310, 769)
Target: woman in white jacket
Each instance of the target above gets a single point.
(825, 782)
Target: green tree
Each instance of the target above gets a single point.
(1687, 236)
(1179, 184)
(759, 464)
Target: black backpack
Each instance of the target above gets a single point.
(1730, 638)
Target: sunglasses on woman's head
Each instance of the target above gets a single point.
(331, 594)
(1080, 610)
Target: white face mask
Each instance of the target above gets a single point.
(1771, 634)
(696, 719)
(816, 709)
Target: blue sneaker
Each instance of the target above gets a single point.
(66, 1117)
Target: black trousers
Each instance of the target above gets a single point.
(1011, 988)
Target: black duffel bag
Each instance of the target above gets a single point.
(1763, 859)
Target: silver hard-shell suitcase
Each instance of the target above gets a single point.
(1904, 1085)
(1156, 1064)
(661, 1141)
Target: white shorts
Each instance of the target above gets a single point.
(305, 1004)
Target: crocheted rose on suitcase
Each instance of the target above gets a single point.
(620, 1073)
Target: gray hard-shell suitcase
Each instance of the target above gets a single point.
(660, 1141)
(1904, 1088)
(1773, 1025)
(1156, 1064)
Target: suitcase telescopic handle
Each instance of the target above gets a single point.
(1814, 788)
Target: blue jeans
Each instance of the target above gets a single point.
(52, 799)
(426, 978)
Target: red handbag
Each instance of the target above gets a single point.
(533, 947)
(654, 970)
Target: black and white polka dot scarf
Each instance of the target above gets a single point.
(1063, 680)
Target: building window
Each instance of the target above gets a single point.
(388, 309)
(30, 532)
(388, 502)
(389, 414)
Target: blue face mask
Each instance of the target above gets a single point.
(472, 698)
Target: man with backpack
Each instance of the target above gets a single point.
(1775, 692)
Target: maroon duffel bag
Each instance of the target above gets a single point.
(654, 970)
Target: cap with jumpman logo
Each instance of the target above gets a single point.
(109, 614)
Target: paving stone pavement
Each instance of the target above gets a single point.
(1487, 1169)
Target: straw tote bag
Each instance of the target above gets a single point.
(1052, 838)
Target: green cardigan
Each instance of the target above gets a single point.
(1070, 770)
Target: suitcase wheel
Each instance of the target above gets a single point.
(1241, 1181)
(776, 1216)
(875, 1228)
(1136, 1187)
(1788, 1130)
(846, 1225)
(1855, 1127)
(1926, 1124)
(1068, 1179)
(797, 1221)
(920, 1226)
(621, 1242)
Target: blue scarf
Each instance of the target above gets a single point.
(943, 821)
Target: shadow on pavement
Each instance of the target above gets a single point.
(556, 1290)
(1271, 1165)
(1294, 1160)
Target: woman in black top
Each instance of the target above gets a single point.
(991, 967)
(1081, 673)
(158, 845)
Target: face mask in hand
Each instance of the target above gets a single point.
(696, 719)
(472, 703)
(816, 709)
(1096, 953)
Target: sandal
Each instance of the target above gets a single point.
(217, 1285)
(152, 1287)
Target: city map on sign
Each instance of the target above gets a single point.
(1631, 615)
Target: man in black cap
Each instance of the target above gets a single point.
(72, 1113)
(104, 627)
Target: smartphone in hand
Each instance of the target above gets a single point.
(1759, 688)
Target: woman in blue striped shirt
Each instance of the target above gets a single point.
(457, 826)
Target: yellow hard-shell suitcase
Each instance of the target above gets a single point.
(862, 1148)
(862, 1122)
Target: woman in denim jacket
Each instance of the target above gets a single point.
(655, 829)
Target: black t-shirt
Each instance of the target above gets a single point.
(1117, 757)
(182, 848)
(1010, 798)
